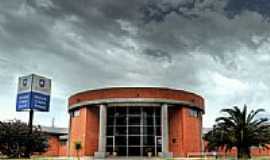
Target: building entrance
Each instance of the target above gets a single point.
(133, 131)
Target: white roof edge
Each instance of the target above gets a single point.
(130, 100)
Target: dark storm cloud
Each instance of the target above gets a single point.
(153, 11)
(179, 27)
(99, 18)
(210, 27)
(207, 46)
(93, 12)
(156, 53)
(236, 7)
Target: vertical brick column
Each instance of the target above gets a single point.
(102, 132)
(165, 131)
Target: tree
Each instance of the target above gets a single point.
(78, 147)
(239, 129)
(17, 141)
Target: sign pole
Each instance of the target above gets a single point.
(31, 113)
(30, 123)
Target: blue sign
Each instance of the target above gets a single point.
(33, 93)
(23, 101)
(32, 100)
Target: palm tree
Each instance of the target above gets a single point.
(239, 129)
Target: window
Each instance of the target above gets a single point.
(193, 112)
(134, 140)
(134, 111)
(76, 113)
(120, 130)
(148, 130)
(135, 130)
(134, 120)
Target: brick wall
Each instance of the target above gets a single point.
(163, 93)
(184, 132)
(176, 131)
(192, 132)
(62, 149)
(92, 131)
(84, 128)
(255, 151)
(53, 149)
(56, 147)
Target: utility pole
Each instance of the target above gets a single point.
(53, 119)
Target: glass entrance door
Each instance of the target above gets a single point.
(134, 131)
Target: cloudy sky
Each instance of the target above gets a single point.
(219, 49)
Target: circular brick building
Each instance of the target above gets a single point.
(136, 122)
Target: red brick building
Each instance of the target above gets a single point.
(135, 122)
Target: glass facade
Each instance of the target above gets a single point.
(133, 131)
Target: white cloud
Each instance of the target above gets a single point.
(127, 26)
(44, 3)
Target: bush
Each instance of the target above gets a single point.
(16, 140)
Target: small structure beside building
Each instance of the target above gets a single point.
(57, 140)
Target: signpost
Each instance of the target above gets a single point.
(33, 95)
